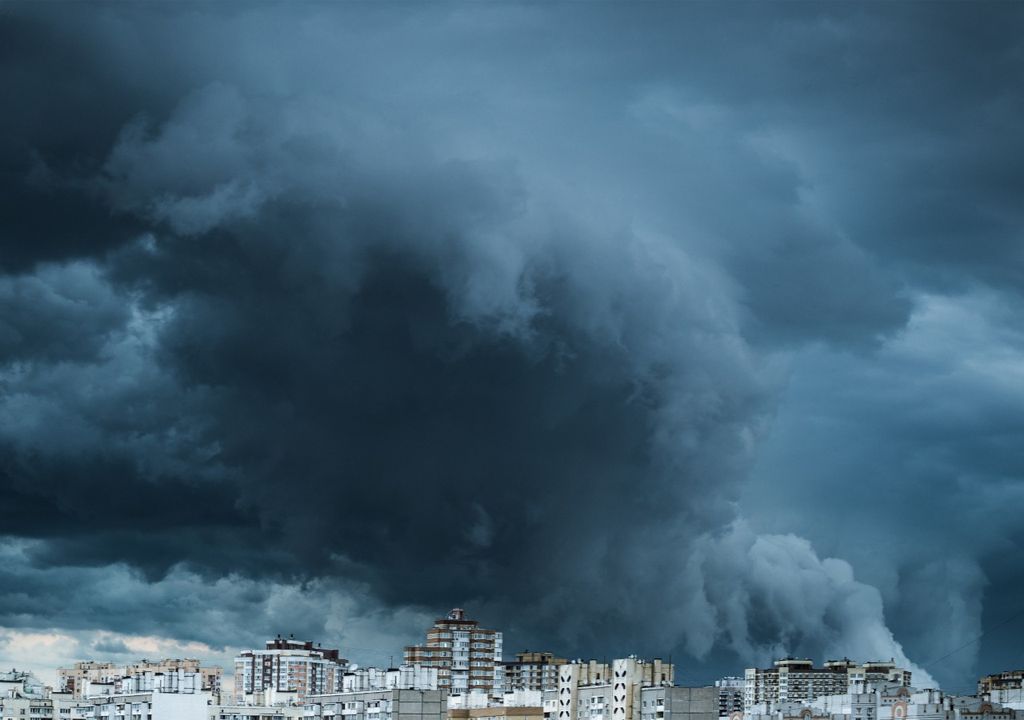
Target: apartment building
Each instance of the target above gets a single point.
(407, 677)
(287, 669)
(467, 656)
(730, 695)
(257, 712)
(1005, 687)
(147, 695)
(515, 705)
(145, 706)
(393, 704)
(497, 712)
(23, 696)
(532, 671)
(885, 702)
(73, 679)
(626, 689)
(798, 680)
(877, 673)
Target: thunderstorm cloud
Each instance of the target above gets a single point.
(677, 329)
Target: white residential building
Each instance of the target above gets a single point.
(393, 704)
(23, 696)
(478, 699)
(146, 696)
(408, 677)
(1005, 688)
(884, 701)
(73, 679)
(286, 669)
(797, 680)
(147, 706)
(518, 704)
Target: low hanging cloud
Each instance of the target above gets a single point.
(771, 596)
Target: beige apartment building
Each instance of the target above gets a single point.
(467, 656)
(532, 671)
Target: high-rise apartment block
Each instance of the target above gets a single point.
(287, 669)
(799, 681)
(532, 671)
(74, 679)
(467, 656)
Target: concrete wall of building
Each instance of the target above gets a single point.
(497, 713)
(248, 712)
(400, 704)
(686, 703)
(180, 706)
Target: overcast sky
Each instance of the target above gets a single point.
(686, 329)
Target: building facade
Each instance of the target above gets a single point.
(24, 697)
(145, 706)
(257, 712)
(406, 677)
(532, 671)
(886, 701)
(515, 705)
(1006, 688)
(73, 679)
(730, 695)
(146, 695)
(287, 669)
(626, 689)
(467, 656)
(396, 704)
(798, 680)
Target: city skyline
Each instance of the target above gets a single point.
(101, 667)
(304, 684)
(681, 330)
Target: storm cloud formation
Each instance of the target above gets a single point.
(657, 329)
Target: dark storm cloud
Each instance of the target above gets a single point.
(496, 312)
(58, 314)
(64, 111)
